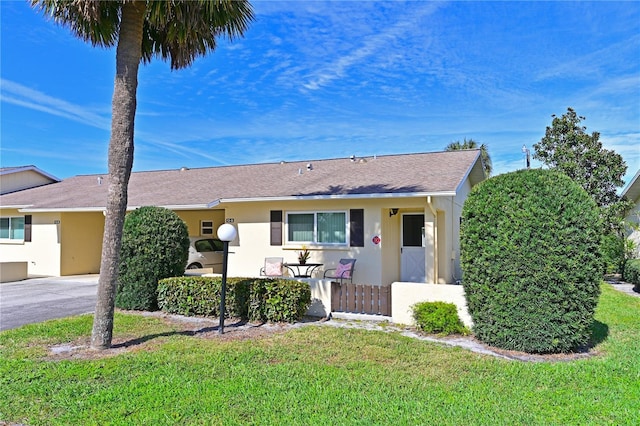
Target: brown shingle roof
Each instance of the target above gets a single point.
(425, 173)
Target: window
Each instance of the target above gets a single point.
(12, 228)
(208, 244)
(317, 227)
(206, 227)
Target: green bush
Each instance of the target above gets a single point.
(632, 273)
(258, 299)
(530, 254)
(438, 318)
(277, 300)
(155, 245)
(613, 253)
(200, 296)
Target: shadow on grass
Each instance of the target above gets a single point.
(229, 329)
(599, 333)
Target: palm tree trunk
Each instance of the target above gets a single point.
(128, 56)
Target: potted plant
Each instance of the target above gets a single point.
(303, 255)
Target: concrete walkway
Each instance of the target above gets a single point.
(622, 286)
(39, 299)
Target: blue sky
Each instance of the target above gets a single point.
(318, 79)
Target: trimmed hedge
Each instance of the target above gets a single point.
(155, 245)
(200, 296)
(277, 300)
(530, 253)
(257, 299)
(438, 318)
(632, 273)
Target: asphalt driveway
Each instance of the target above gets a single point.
(40, 299)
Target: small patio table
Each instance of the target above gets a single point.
(303, 270)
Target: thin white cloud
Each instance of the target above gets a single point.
(594, 63)
(17, 94)
(26, 97)
(339, 67)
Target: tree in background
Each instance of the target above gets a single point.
(141, 30)
(487, 166)
(568, 148)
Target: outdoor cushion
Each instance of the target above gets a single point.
(272, 269)
(343, 270)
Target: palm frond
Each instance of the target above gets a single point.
(183, 30)
(97, 22)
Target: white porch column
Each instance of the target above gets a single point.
(430, 246)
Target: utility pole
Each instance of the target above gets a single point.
(526, 151)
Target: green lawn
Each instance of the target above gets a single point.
(316, 375)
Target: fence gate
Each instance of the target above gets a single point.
(361, 299)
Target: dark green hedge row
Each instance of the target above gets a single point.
(257, 299)
(438, 318)
(632, 273)
(200, 296)
(530, 253)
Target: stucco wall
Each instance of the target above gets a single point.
(376, 263)
(81, 246)
(405, 295)
(12, 271)
(193, 218)
(458, 204)
(42, 254)
(634, 231)
(320, 298)
(253, 243)
(17, 181)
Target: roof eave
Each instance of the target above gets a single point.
(27, 209)
(15, 206)
(632, 190)
(477, 162)
(335, 197)
(29, 168)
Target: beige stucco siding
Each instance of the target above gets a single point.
(193, 218)
(21, 180)
(81, 242)
(252, 220)
(80, 236)
(42, 254)
(377, 263)
(390, 246)
(458, 205)
(634, 229)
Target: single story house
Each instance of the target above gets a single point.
(632, 193)
(398, 215)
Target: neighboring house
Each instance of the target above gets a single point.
(632, 193)
(398, 215)
(23, 177)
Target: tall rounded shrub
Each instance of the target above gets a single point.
(531, 263)
(155, 245)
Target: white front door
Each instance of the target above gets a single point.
(412, 256)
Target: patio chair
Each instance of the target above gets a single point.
(343, 272)
(273, 267)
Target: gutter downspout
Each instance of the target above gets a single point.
(435, 239)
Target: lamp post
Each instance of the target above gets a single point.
(526, 151)
(226, 233)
